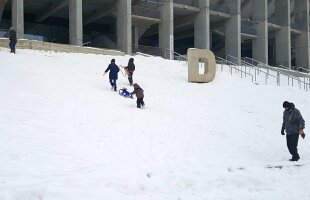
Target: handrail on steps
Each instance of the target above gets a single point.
(275, 68)
(281, 72)
(256, 69)
(179, 56)
(232, 66)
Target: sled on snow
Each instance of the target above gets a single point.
(125, 93)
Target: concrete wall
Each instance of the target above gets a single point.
(46, 46)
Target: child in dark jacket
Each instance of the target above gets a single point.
(13, 40)
(129, 69)
(138, 91)
(114, 69)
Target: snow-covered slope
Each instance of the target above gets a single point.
(64, 135)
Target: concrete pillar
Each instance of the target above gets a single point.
(233, 30)
(211, 39)
(302, 41)
(123, 26)
(260, 17)
(138, 29)
(76, 22)
(2, 5)
(283, 36)
(202, 25)
(166, 39)
(135, 34)
(18, 17)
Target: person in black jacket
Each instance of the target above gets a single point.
(130, 68)
(293, 124)
(13, 39)
(113, 75)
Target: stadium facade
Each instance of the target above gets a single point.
(270, 31)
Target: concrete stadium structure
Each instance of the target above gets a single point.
(275, 32)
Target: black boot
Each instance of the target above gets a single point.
(130, 80)
(295, 158)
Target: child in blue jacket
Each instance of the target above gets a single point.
(113, 74)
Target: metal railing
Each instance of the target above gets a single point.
(4, 33)
(297, 26)
(86, 44)
(231, 65)
(252, 61)
(155, 51)
(34, 37)
(145, 12)
(296, 68)
(290, 77)
(177, 56)
(284, 71)
(248, 30)
(187, 2)
(294, 72)
(301, 69)
(276, 21)
(220, 8)
(248, 66)
(245, 69)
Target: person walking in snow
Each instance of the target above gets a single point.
(13, 39)
(138, 91)
(293, 124)
(129, 69)
(113, 74)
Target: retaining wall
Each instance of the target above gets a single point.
(47, 46)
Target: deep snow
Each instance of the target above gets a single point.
(65, 135)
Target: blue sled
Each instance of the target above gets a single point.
(123, 92)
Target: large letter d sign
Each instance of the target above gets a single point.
(205, 56)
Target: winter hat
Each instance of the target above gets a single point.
(113, 60)
(286, 104)
(131, 60)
